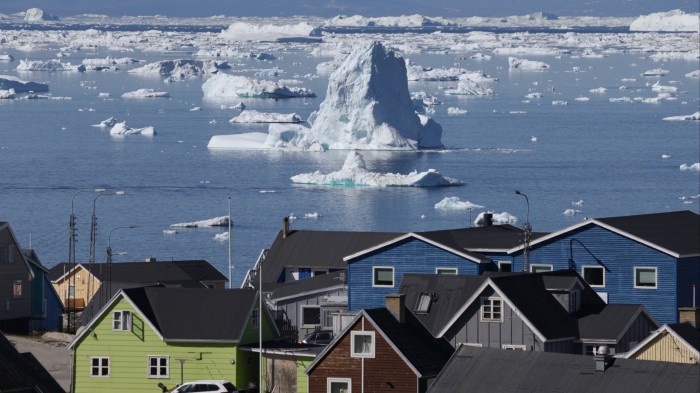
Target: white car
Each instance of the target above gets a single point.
(206, 386)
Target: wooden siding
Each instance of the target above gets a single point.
(86, 284)
(408, 256)
(386, 372)
(666, 348)
(593, 245)
(512, 331)
(129, 350)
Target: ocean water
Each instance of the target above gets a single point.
(607, 154)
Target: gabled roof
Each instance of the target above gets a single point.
(486, 370)
(308, 286)
(147, 272)
(685, 333)
(422, 352)
(674, 233)
(609, 322)
(23, 372)
(320, 249)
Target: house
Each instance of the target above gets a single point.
(487, 370)
(22, 372)
(679, 343)
(548, 312)
(381, 350)
(82, 281)
(148, 336)
(26, 302)
(649, 259)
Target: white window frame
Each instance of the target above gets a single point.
(301, 311)
(356, 333)
(532, 265)
(513, 347)
(583, 275)
(329, 381)
(100, 367)
(158, 367)
(124, 323)
(656, 277)
(505, 263)
(393, 277)
(444, 270)
(490, 300)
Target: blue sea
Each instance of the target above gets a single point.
(608, 154)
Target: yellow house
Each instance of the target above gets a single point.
(677, 343)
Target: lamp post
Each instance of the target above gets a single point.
(109, 257)
(526, 234)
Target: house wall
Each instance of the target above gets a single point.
(292, 308)
(13, 268)
(665, 348)
(85, 286)
(593, 245)
(512, 331)
(408, 256)
(386, 372)
(129, 350)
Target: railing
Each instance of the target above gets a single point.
(252, 273)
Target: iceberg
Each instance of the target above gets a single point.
(235, 86)
(675, 20)
(123, 129)
(212, 222)
(21, 86)
(496, 218)
(695, 116)
(355, 173)
(253, 116)
(145, 93)
(526, 65)
(48, 65)
(454, 203)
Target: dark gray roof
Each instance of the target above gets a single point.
(307, 285)
(608, 322)
(688, 332)
(149, 272)
(195, 314)
(321, 249)
(427, 354)
(677, 231)
(22, 372)
(486, 370)
(494, 238)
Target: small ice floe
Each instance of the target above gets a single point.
(664, 156)
(533, 139)
(123, 129)
(313, 215)
(572, 212)
(354, 173)
(223, 236)
(253, 116)
(145, 93)
(454, 203)
(456, 111)
(693, 168)
(598, 90)
(212, 222)
(496, 218)
(655, 72)
(577, 203)
(169, 231)
(694, 117)
(558, 102)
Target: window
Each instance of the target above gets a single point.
(645, 277)
(594, 275)
(17, 289)
(446, 270)
(514, 347)
(255, 318)
(339, 385)
(491, 309)
(534, 268)
(158, 366)
(99, 366)
(424, 302)
(383, 277)
(505, 266)
(310, 316)
(121, 320)
(362, 344)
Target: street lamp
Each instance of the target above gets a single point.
(526, 234)
(109, 257)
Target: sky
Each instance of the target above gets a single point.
(330, 8)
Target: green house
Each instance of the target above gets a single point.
(148, 338)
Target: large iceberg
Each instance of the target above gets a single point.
(236, 86)
(8, 82)
(675, 20)
(355, 173)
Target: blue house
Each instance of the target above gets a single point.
(649, 259)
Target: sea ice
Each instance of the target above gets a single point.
(675, 20)
(526, 65)
(355, 173)
(454, 203)
(145, 93)
(695, 116)
(497, 218)
(21, 86)
(237, 86)
(212, 222)
(123, 129)
(253, 116)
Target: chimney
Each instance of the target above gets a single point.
(395, 303)
(285, 227)
(488, 219)
(150, 259)
(603, 359)
(690, 315)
